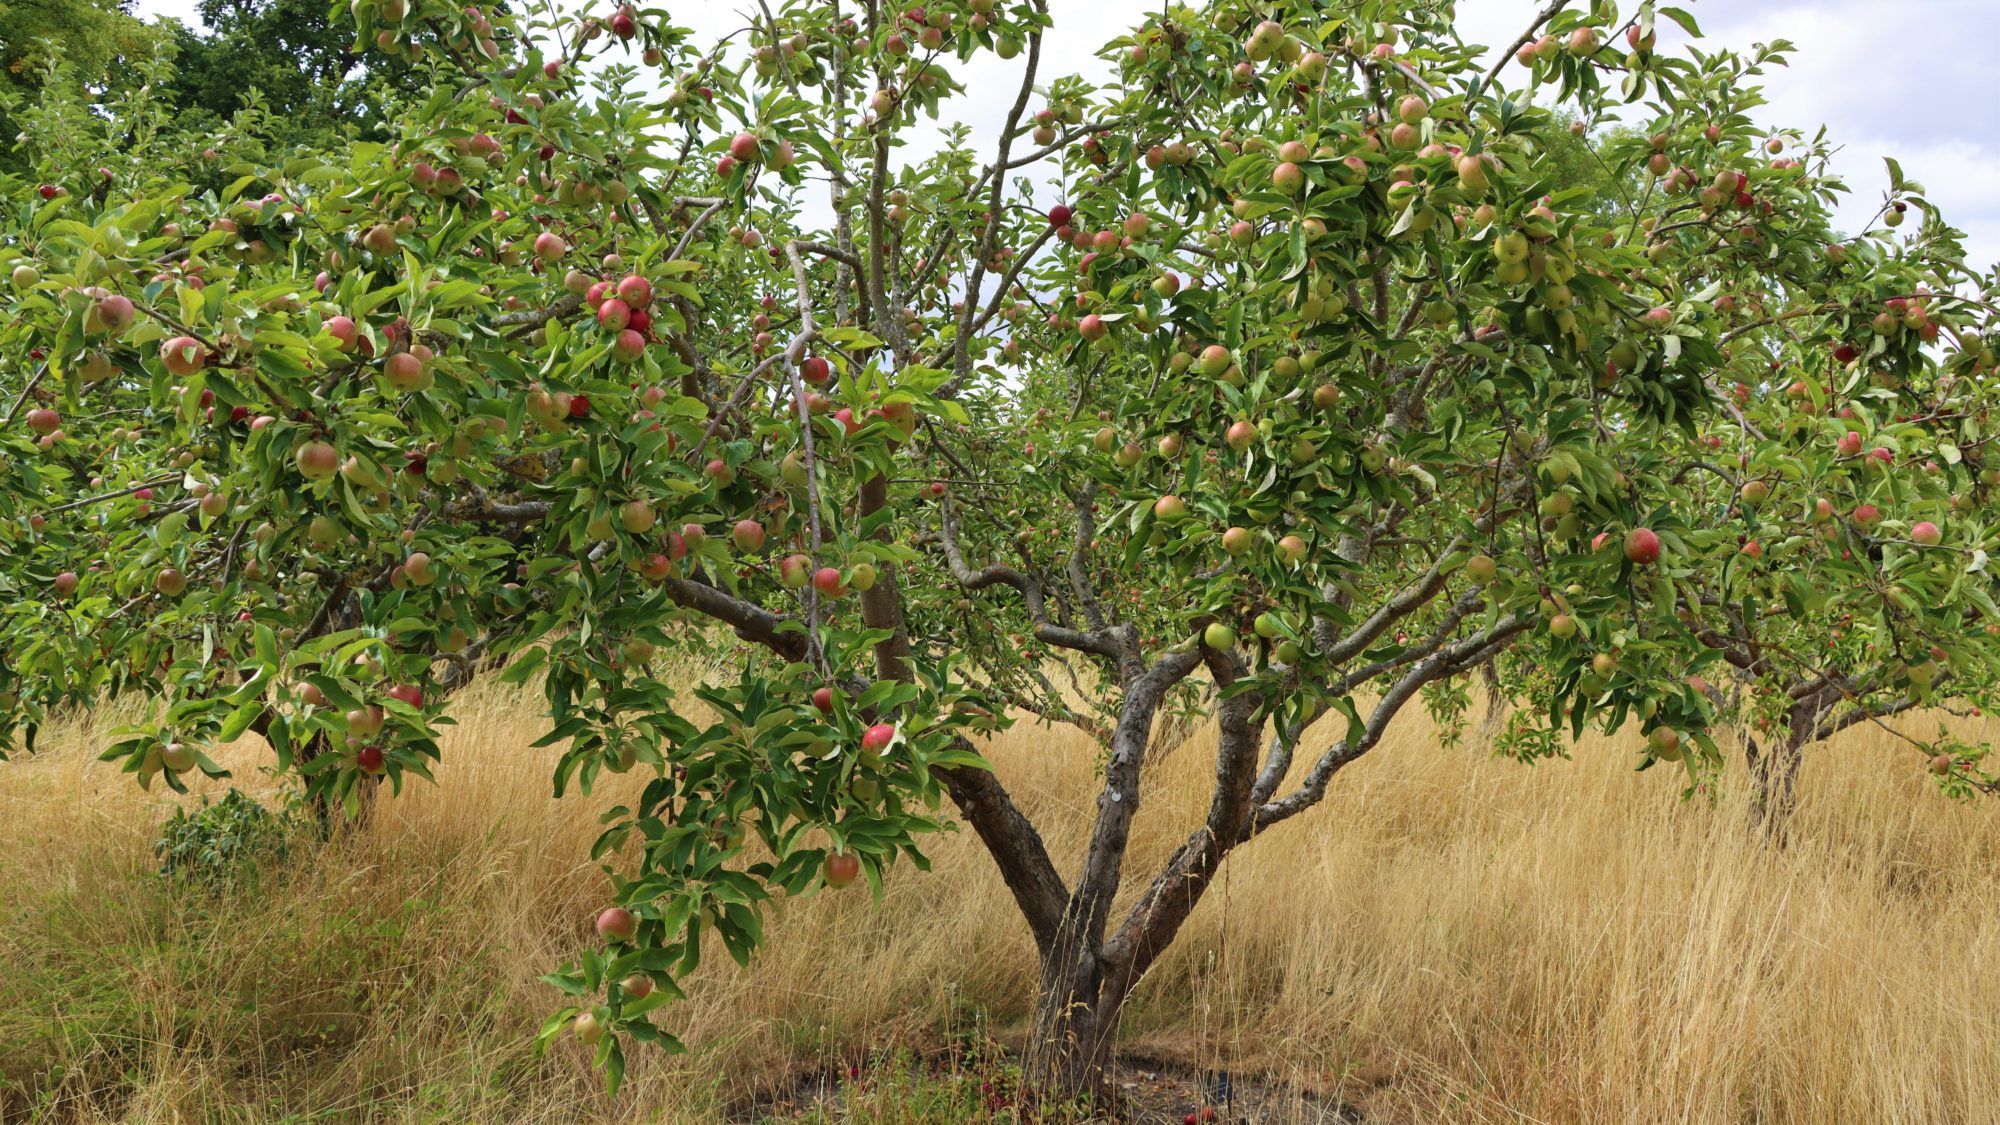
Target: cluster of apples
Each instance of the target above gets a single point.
(747, 149)
(623, 309)
(364, 724)
(796, 572)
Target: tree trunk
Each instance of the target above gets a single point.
(1775, 772)
(1069, 1052)
(1087, 978)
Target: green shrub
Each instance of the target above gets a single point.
(225, 844)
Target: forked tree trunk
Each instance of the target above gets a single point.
(1086, 975)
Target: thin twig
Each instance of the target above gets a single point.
(22, 399)
(103, 496)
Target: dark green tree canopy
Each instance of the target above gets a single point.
(296, 63)
(74, 43)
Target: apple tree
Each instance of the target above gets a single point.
(1309, 366)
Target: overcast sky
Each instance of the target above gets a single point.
(1922, 90)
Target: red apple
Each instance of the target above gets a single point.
(1642, 546)
(344, 332)
(827, 581)
(112, 313)
(615, 923)
(182, 355)
(316, 460)
(841, 869)
(405, 372)
(635, 291)
(628, 346)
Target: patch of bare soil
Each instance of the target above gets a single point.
(977, 1084)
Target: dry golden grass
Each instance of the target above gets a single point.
(1449, 938)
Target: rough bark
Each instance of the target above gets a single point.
(1774, 769)
(1069, 1051)
(1086, 978)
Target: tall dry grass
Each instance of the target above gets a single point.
(1449, 938)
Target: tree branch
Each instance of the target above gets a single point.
(1157, 917)
(1466, 654)
(1118, 803)
(1507, 56)
(156, 482)
(1101, 643)
(22, 399)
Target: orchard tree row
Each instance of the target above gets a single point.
(1310, 368)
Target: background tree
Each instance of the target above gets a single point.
(1323, 387)
(299, 63)
(71, 43)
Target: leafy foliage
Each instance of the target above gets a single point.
(224, 844)
(1332, 381)
(295, 63)
(68, 45)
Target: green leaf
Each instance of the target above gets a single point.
(239, 721)
(1680, 16)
